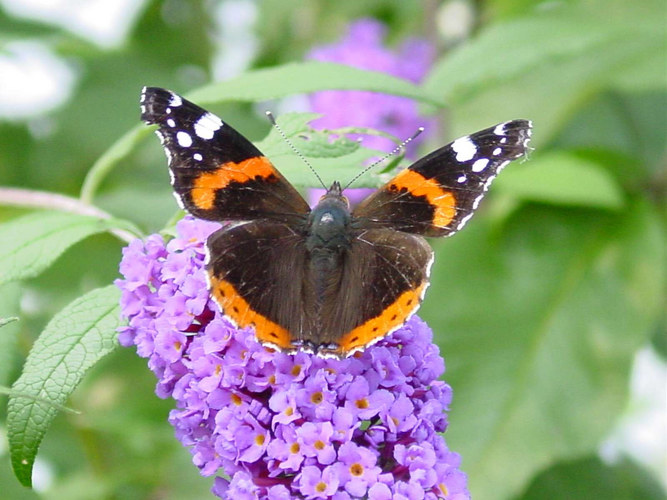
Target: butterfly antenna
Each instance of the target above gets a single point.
(272, 119)
(391, 153)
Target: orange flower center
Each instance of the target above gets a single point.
(356, 469)
(362, 404)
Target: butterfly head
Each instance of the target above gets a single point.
(329, 220)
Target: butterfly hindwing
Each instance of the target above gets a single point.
(256, 275)
(438, 194)
(217, 174)
(382, 281)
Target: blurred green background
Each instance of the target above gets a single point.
(549, 308)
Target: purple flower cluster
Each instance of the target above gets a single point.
(362, 47)
(285, 426)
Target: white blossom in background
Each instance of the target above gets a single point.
(101, 22)
(642, 431)
(33, 80)
(235, 41)
(454, 20)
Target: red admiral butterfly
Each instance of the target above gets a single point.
(329, 280)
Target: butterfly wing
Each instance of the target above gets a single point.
(216, 173)
(379, 285)
(256, 275)
(438, 194)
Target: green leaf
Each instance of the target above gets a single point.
(562, 178)
(546, 65)
(508, 50)
(309, 142)
(304, 77)
(589, 478)
(30, 244)
(10, 295)
(321, 144)
(539, 324)
(339, 159)
(111, 157)
(644, 73)
(340, 169)
(73, 341)
(7, 321)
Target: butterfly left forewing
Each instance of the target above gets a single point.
(216, 173)
(438, 194)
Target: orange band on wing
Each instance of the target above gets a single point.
(418, 185)
(206, 185)
(377, 327)
(235, 306)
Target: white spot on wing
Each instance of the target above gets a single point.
(171, 122)
(184, 140)
(497, 151)
(500, 129)
(461, 179)
(207, 125)
(464, 148)
(480, 164)
(176, 100)
(198, 157)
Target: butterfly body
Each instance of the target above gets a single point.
(331, 280)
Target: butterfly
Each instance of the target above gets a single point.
(329, 280)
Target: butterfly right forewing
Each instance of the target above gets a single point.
(438, 194)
